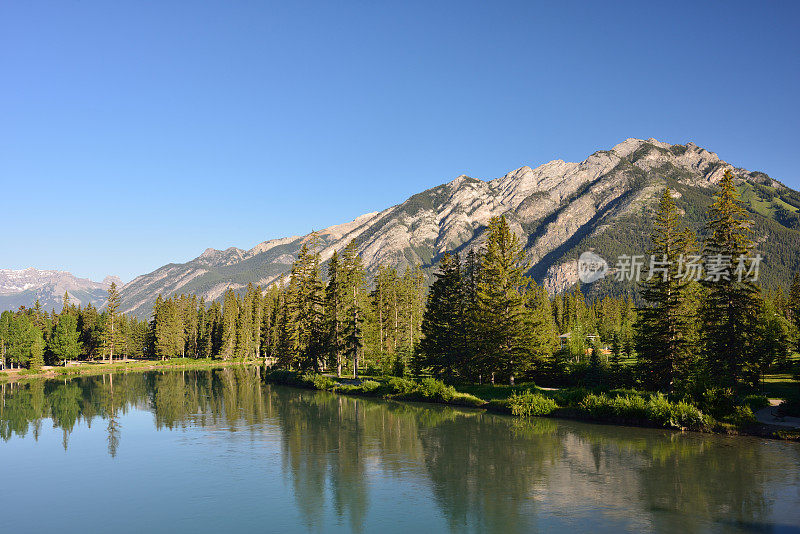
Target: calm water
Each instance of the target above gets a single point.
(218, 451)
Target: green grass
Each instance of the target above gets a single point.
(781, 386)
(491, 392)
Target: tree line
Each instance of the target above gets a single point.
(33, 337)
(482, 319)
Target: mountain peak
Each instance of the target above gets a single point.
(555, 207)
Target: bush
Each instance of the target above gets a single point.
(321, 382)
(658, 410)
(742, 416)
(719, 402)
(401, 386)
(570, 397)
(529, 404)
(755, 402)
(430, 388)
(368, 386)
(789, 407)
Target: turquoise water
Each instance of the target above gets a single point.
(218, 451)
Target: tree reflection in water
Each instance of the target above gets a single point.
(485, 472)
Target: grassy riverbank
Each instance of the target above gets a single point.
(96, 368)
(623, 407)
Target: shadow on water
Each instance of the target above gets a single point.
(485, 472)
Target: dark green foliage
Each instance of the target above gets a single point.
(665, 340)
(443, 347)
(64, 342)
(529, 404)
(730, 309)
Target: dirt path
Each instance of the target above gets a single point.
(769, 416)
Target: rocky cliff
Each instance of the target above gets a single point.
(559, 209)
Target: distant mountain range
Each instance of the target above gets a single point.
(604, 203)
(24, 287)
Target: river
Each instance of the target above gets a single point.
(219, 451)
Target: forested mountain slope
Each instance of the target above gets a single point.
(560, 209)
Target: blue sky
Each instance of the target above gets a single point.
(134, 134)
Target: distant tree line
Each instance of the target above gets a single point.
(33, 337)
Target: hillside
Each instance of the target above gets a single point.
(559, 208)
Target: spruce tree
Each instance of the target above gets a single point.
(353, 280)
(793, 306)
(37, 350)
(730, 310)
(335, 296)
(502, 311)
(441, 348)
(65, 343)
(244, 325)
(230, 315)
(112, 307)
(663, 333)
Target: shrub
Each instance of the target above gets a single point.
(789, 407)
(368, 386)
(430, 388)
(570, 397)
(719, 402)
(321, 382)
(401, 386)
(755, 402)
(529, 404)
(742, 416)
(658, 410)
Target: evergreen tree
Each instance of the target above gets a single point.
(91, 331)
(230, 315)
(335, 296)
(112, 306)
(731, 307)
(37, 350)
(502, 311)
(353, 280)
(22, 335)
(793, 306)
(542, 325)
(65, 343)
(663, 333)
(244, 326)
(442, 347)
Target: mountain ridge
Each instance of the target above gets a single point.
(22, 287)
(554, 207)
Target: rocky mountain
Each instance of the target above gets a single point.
(559, 209)
(23, 287)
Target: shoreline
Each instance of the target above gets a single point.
(90, 369)
(760, 430)
(447, 395)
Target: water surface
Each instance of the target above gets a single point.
(218, 451)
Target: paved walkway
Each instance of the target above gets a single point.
(769, 416)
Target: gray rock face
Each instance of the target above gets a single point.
(548, 206)
(23, 287)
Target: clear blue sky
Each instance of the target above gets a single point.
(133, 134)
